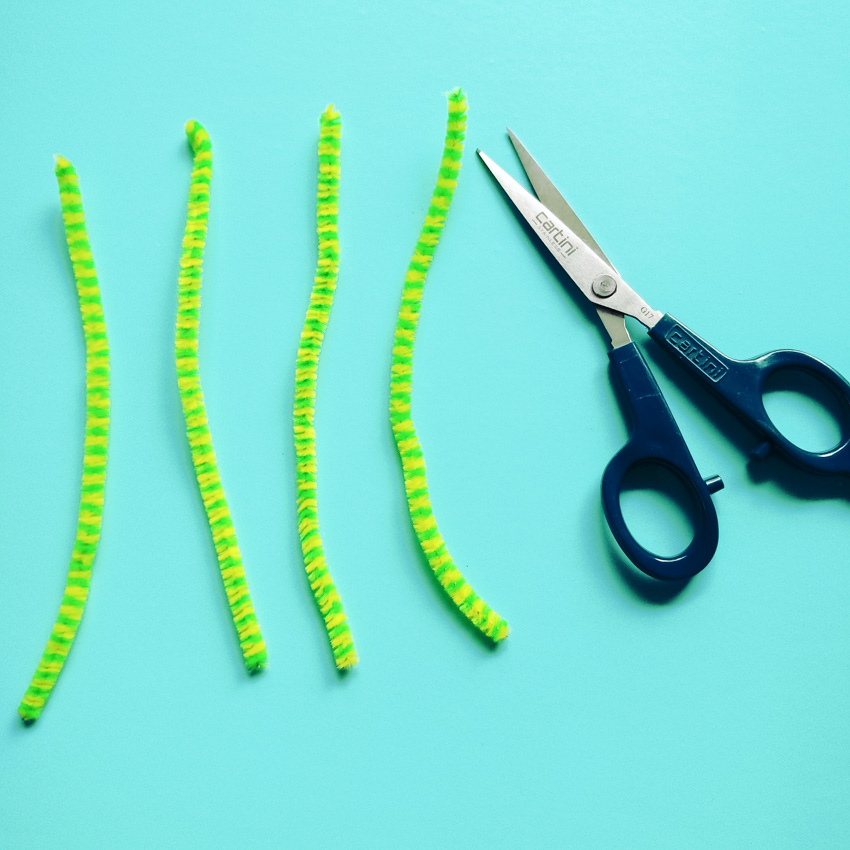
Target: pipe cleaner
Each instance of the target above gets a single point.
(487, 621)
(90, 517)
(304, 413)
(197, 430)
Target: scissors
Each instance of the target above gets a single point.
(655, 438)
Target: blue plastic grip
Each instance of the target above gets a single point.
(740, 384)
(655, 439)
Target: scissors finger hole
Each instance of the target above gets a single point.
(655, 501)
(805, 409)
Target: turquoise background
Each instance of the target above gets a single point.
(707, 147)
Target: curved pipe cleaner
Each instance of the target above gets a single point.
(487, 621)
(304, 414)
(90, 515)
(197, 430)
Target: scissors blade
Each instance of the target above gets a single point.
(587, 270)
(552, 198)
(614, 323)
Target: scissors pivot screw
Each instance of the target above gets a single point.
(604, 286)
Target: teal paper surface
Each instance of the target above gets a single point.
(707, 147)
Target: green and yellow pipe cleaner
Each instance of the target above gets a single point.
(197, 429)
(487, 621)
(304, 413)
(90, 516)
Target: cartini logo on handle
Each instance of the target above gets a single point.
(690, 349)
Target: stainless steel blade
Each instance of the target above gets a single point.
(547, 192)
(615, 325)
(552, 198)
(588, 271)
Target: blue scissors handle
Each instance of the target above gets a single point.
(655, 439)
(741, 384)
